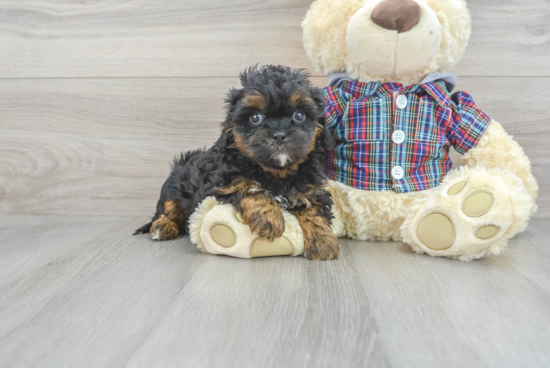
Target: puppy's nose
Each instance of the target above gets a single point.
(397, 15)
(279, 137)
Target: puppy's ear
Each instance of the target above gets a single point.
(327, 142)
(317, 96)
(226, 138)
(231, 101)
(234, 96)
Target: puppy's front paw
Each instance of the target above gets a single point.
(264, 218)
(270, 227)
(322, 249)
(164, 229)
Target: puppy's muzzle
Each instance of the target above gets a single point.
(279, 137)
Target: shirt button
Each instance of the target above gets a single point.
(402, 101)
(398, 137)
(397, 172)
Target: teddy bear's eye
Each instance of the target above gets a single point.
(299, 117)
(256, 118)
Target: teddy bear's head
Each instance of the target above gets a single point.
(386, 40)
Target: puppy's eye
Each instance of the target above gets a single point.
(256, 118)
(299, 117)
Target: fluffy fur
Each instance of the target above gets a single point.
(371, 215)
(329, 32)
(340, 36)
(211, 213)
(269, 157)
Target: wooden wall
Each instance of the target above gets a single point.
(96, 97)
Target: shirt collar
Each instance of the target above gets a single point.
(436, 85)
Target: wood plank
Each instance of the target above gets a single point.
(114, 300)
(185, 38)
(530, 254)
(284, 312)
(103, 146)
(119, 300)
(445, 313)
(93, 305)
(21, 252)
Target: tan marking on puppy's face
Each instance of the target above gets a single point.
(298, 99)
(239, 144)
(254, 101)
(172, 211)
(319, 132)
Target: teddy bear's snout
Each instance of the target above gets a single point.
(397, 15)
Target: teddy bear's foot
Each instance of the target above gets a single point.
(473, 212)
(219, 229)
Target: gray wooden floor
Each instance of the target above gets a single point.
(96, 97)
(82, 292)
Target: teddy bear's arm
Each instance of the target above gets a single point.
(497, 149)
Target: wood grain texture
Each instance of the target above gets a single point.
(465, 314)
(103, 146)
(113, 300)
(186, 38)
(118, 300)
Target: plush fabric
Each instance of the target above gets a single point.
(327, 27)
(397, 15)
(362, 117)
(509, 213)
(211, 213)
(463, 213)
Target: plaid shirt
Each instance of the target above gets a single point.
(363, 117)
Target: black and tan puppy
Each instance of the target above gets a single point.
(269, 157)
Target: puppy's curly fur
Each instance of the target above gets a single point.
(269, 157)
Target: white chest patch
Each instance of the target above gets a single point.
(282, 158)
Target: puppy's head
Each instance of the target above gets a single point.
(277, 118)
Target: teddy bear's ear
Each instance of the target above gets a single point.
(324, 33)
(455, 18)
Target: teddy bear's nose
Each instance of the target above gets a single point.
(397, 15)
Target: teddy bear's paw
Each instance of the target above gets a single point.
(468, 217)
(219, 229)
(438, 232)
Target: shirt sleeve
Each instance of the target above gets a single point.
(468, 123)
(336, 102)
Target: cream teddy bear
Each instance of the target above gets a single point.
(390, 109)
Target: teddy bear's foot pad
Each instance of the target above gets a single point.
(436, 231)
(219, 229)
(478, 203)
(278, 247)
(457, 188)
(223, 236)
(487, 232)
(469, 216)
